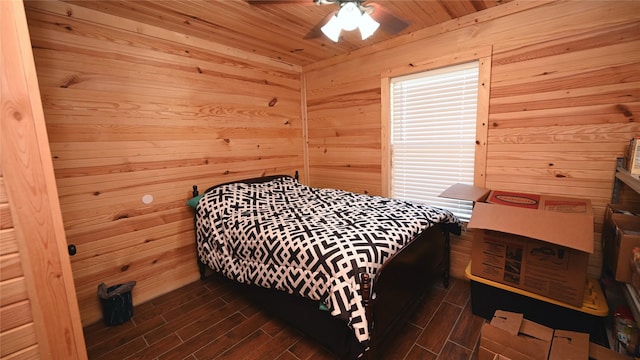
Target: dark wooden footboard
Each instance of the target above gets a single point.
(403, 281)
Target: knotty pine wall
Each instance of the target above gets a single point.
(135, 110)
(564, 101)
(17, 329)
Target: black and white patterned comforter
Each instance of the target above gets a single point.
(307, 241)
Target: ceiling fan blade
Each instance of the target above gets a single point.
(316, 31)
(389, 23)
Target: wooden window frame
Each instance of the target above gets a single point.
(483, 56)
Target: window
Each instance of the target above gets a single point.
(433, 134)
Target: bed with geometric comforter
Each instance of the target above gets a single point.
(312, 242)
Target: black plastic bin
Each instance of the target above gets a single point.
(117, 303)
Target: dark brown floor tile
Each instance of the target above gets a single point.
(98, 332)
(230, 338)
(435, 334)
(122, 351)
(419, 353)
(165, 344)
(287, 356)
(179, 310)
(248, 348)
(205, 337)
(459, 292)
(402, 342)
(277, 345)
(124, 337)
(207, 317)
(453, 351)
(212, 318)
(273, 327)
(194, 317)
(429, 306)
(467, 330)
(304, 348)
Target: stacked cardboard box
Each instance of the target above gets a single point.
(620, 234)
(509, 336)
(532, 242)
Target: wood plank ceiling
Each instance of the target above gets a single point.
(281, 29)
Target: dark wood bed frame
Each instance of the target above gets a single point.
(399, 287)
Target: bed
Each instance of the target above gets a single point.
(346, 269)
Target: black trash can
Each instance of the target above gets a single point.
(117, 303)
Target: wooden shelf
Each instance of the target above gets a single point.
(623, 176)
(633, 181)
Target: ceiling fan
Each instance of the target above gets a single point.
(350, 15)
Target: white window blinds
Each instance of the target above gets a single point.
(433, 134)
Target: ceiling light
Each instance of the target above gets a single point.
(350, 17)
(367, 26)
(332, 29)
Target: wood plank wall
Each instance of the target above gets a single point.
(136, 110)
(565, 99)
(17, 330)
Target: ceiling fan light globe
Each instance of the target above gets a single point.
(367, 26)
(332, 29)
(349, 16)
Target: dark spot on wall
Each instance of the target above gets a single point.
(273, 102)
(226, 140)
(120, 217)
(69, 12)
(124, 268)
(96, 193)
(550, 164)
(561, 176)
(624, 110)
(199, 69)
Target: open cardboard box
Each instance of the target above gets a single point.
(511, 337)
(620, 234)
(533, 242)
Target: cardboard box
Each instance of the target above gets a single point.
(569, 345)
(597, 352)
(510, 336)
(620, 234)
(533, 242)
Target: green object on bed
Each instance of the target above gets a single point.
(193, 202)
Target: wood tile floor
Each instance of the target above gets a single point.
(209, 320)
